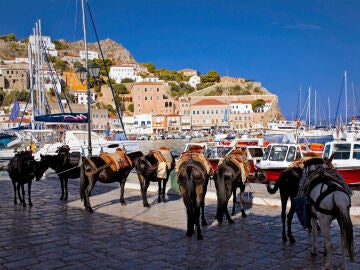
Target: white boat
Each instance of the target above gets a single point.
(277, 157)
(77, 140)
(346, 159)
(14, 141)
(316, 133)
(281, 127)
(352, 130)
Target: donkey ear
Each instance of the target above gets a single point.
(331, 157)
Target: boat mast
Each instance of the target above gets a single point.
(87, 80)
(315, 120)
(309, 123)
(353, 98)
(346, 105)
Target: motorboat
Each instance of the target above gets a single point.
(346, 159)
(77, 140)
(13, 141)
(252, 149)
(213, 151)
(277, 158)
(282, 127)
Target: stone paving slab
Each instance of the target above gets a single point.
(61, 235)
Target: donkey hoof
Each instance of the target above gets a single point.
(199, 237)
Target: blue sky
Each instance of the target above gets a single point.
(286, 45)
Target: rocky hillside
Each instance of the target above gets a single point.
(111, 50)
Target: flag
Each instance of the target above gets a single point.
(15, 110)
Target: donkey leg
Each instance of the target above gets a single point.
(164, 182)
(144, 185)
(314, 249)
(62, 188)
(202, 202)
(228, 217)
(159, 190)
(29, 193)
(18, 187)
(283, 217)
(15, 195)
(234, 201)
(91, 184)
(65, 189)
(190, 221)
(289, 221)
(325, 225)
(242, 189)
(22, 198)
(122, 190)
(197, 222)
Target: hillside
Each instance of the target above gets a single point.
(111, 50)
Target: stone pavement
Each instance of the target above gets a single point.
(61, 235)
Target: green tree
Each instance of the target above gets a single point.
(212, 76)
(100, 62)
(258, 105)
(2, 96)
(8, 37)
(60, 65)
(131, 107)
(127, 80)
(150, 66)
(120, 89)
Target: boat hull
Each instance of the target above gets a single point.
(351, 175)
(272, 174)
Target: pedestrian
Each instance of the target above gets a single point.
(117, 136)
(107, 131)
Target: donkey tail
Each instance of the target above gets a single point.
(346, 230)
(190, 189)
(83, 180)
(219, 179)
(272, 190)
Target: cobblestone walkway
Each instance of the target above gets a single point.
(61, 235)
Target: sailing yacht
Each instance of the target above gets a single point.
(87, 142)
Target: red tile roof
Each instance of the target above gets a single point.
(207, 102)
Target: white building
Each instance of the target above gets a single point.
(119, 73)
(240, 107)
(91, 55)
(143, 124)
(48, 45)
(194, 80)
(82, 96)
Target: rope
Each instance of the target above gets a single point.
(66, 170)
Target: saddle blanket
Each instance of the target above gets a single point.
(199, 157)
(117, 160)
(162, 170)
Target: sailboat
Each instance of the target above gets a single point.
(309, 131)
(87, 142)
